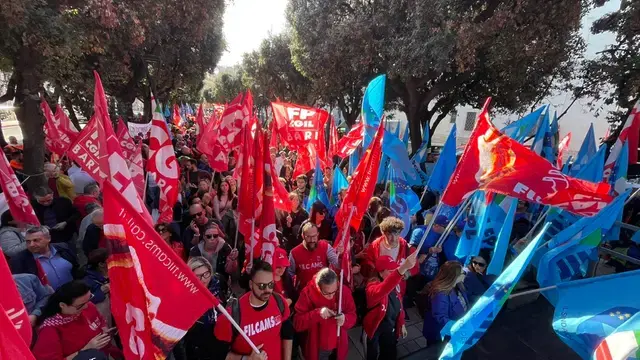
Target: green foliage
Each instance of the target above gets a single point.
(437, 54)
(223, 86)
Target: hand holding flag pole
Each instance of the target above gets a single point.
(344, 247)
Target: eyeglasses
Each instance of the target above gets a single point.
(314, 236)
(78, 307)
(162, 230)
(204, 275)
(264, 286)
(198, 214)
(211, 236)
(479, 263)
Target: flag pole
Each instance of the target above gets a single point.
(426, 232)
(456, 217)
(253, 228)
(237, 327)
(532, 291)
(344, 247)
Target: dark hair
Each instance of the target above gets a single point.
(6, 218)
(383, 213)
(42, 191)
(234, 203)
(219, 192)
(326, 276)
(259, 265)
(89, 188)
(96, 257)
(316, 208)
(65, 294)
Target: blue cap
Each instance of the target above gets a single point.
(441, 220)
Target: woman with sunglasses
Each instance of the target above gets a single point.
(476, 280)
(216, 251)
(70, 323)
(199, 340)
(447, 300)
(170, 237)
(319, 217)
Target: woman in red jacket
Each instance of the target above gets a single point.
(70, 323)
(384, 321)
(316, 312)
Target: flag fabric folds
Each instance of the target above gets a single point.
(318, 191)
(150, 283)
(348, 144)
(14, 310)
(163, 165)
(56, 140)
(473, 233)
(445, 165)
(502, 242)
(592, 170)
(17, 199)
(543, 129)
(268, 240)
(126, 141)
(494, 162)
(373, 108)
(521, 129)
(470, 328)
(589, 327)
(339, 182)
(630, 131)
(587, 150)
(562, 147)
(402, 200)
(421, 155)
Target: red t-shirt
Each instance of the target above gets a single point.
(308, 263)
(262, 325)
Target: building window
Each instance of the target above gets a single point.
(470, 122)
(454, 115)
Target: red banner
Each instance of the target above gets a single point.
(333, 140)
(18, 201)
(163, 165)
(176, 119)
(562, 147)
(150, 284)
(362, 185)
(56, 140)
(347, 145)
(299, 126)
(630, 132)
(64, 123)
(250, 199)
(136, 169)
(13, 306)
(126, 141)
(492, 161)
(206, 144)
(90, 150)
(13, 346)
(200, 123)
(268, 239)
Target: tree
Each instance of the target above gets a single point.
(223, 86)
(270, 73)
(439, 54)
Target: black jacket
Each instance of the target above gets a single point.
(64, 211)
(25, 263)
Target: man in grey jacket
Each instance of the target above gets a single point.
(11, 238)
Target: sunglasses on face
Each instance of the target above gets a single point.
(211, 236)
(479, 263)
(264, 286)
(198, 214)
(162, 230)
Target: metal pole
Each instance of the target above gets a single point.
(253, 239)
(627, 226)
(340, 296)
(540, 219)
(235, 325)
(619, 255)
(635, 193)
(452, 223)
(433, 218)
(532, 291)
(344, 247)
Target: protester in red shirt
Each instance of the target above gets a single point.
(89, 196)
(263, 316)
(309, 257)
(384, 322)
(316, 312)
(389, 244)
(169, 235)
(283, 281)
(71, 323)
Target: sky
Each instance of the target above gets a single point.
(248, 22)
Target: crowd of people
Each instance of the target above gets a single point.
(289, 308)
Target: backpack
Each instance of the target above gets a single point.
(235, 312)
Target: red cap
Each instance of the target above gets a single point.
(385, 263)
(280, 258)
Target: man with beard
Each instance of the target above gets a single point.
(310, 256)
(264, 317)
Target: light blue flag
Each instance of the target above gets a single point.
(592, 310)
(373, 108)
(421, 155)
(618, 181)
(470, 328)
(543, 129)
(318, 192)
(445, 165)
(471, 240)
(551, 140)
(354, 159)
(396, 150)
(565, 167)
(587, 150)
(521, 129)
(502, 244)
(339, 182)
(403, 201)
(594, 168)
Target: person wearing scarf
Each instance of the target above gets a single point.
(316, 313)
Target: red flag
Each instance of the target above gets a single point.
(64, 123)
(494, 162)
(206, 144)
(13, 346)
(177, 119)
(18, 201)
(351, 141)
(136, 168)
(163, 165)
(564, 145)
(362, 185)
(56, 140)
(280, 194)
(13, 308)
(273, 140)
(268, 239)
(90, 150)
(299, 126)
(333, 139)
(200, 123)
(251, 191)
(150, 284)
(630, 132)
(126, 141)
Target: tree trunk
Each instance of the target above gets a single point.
(3, 142)
(72, 114)
(30, 119)
(412, 111)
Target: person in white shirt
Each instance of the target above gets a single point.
(79, 178)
